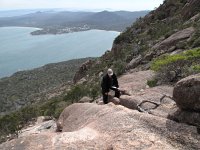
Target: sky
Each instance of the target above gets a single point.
(130, 5)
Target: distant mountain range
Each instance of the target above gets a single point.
(105, 20)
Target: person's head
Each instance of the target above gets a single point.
(110, 72)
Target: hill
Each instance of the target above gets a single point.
(59, 22)
(38, 85)
(166, 31)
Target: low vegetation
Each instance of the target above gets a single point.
(152, 82)
(171, 68)
(26, 86)
(13, 122)
(91, 90)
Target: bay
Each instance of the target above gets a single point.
(19, 50)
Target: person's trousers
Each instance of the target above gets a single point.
(105, 97)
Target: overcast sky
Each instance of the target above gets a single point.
(131, 5)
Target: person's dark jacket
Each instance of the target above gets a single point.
(108, 82)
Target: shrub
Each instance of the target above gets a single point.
(196, 43)
(13, 122)
(167, 59)
(173, 68)
(152, 83)
(119, 67)
(164, 60)
(95, 91)
(196, 68)
(28, 113)
(78, 91)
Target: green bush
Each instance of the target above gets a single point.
(76, 92)
(95, 91)
(196, 43)
(196, 68)
(28, 113)
(171, 68)
(152, 83)
(91, 90)
(164, 60)
(9, 123)
(167, 59)
(53, 108)
(119, 67)
(13, 122)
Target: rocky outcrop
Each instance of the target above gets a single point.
(42, 119)
(174, 38)
(134, 62)
(169, 45)
(43, 127)
(135, 81)
(187, 93)
(91, 126)
(85, 99)
(187, 96)
(146, 125)
(138, 96)
(190, 9)
(188, 117)
(82, 71)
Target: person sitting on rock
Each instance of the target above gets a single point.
(109, 81)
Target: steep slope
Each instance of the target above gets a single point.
(163, 30)
(171, 29)
(92, 126)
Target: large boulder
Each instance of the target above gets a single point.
(91, 126)
(190, 9)
(130, 102)
(82, 71)
(46, 126)
(192, 118)
(150, 100)
(135, 81)
(41, 119)
(85, 99)
(174, 38)
(134, 62)
(187, 93)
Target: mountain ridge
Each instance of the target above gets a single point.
(68, 19)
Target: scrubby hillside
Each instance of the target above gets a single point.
(31, 86)
(165, 41)
(171, 29)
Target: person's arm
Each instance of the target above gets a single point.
(115, 81)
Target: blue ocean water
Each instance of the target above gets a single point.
(19, 50)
